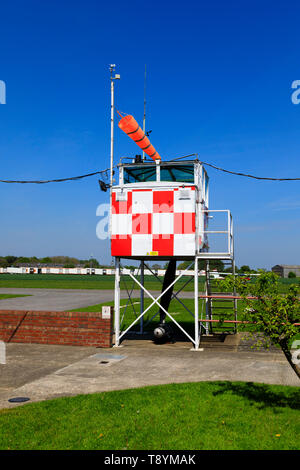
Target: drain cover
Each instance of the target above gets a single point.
(107, 357)
(18, 399)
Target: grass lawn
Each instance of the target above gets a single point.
(11, 296)
(191, 416)
(77, 281)
(180, 314)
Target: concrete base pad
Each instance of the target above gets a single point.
(42, 372)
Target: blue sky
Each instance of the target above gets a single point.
(219, 84)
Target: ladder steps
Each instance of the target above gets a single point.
(220, 304)
(221, 293)
(217, 309)
(223, 308)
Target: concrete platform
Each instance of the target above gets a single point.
(42, 372)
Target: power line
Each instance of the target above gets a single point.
(75, 178)
(249, 176)
(60, 180)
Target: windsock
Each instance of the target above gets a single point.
(129, 125)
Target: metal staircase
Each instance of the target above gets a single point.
(219, 305)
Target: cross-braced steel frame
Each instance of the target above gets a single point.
(156, 301)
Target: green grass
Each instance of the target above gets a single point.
(11, 296)
(286, 283)
(180, 314)
(77, 281)
(190, 416)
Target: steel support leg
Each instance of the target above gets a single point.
(117, 303)
(234, 293)
(196, 304)
(142, 298)
(207, 301)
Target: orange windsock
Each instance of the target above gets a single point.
(129, 125)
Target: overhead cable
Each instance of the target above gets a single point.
(60, 180)
(75, 178)
(249, 176)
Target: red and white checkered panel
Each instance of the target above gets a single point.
(153, 222)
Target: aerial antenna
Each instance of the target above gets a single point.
(112, 68)
(144, 119)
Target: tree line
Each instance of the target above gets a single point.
(71, 262)
(219, 266)
(64, 261)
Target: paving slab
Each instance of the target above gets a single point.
(27, 362)
(43, 372)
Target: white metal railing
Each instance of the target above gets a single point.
(228, 233)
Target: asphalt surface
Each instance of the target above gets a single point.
(63, 299)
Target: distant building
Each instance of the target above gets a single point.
(283, 270)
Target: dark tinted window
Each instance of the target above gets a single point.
(139, 174)
(181, 173)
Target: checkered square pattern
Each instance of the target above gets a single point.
(153, 222)
(141, 224)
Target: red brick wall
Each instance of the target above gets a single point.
(68, 328)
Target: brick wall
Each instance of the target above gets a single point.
(66, 328)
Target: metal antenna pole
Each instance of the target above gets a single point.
(117, 260)
(144, 120)
(112, 108)
(111, 129)
(112, 114)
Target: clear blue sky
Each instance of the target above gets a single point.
(219, 83)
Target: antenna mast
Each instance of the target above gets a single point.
(144, 120)
(112, 110)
